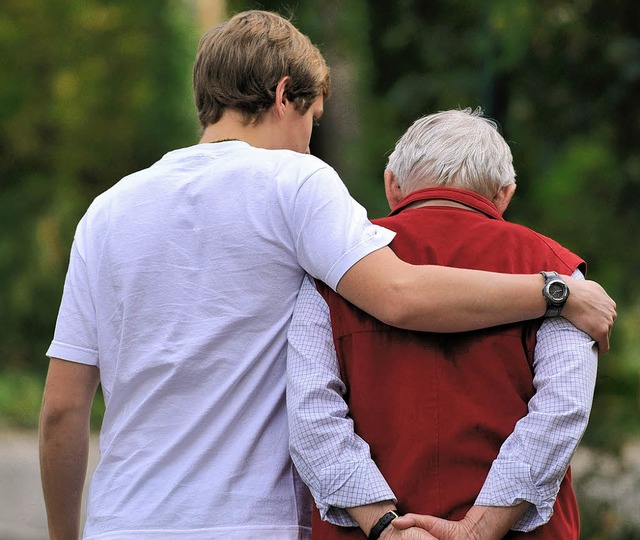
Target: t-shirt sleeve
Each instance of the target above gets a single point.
(75, 337)
(331, 230)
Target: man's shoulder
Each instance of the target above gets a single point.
(286, 167)
(294, 161)
(524, 231)
(513, 237)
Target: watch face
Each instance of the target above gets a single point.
(557, 291)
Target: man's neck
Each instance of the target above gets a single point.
(441, 202)
(232, 126)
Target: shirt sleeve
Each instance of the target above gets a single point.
(75, 338)
(331, 230)
(534, 459)
(332, 460)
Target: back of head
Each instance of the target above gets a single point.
(456, 148)
(240, 62)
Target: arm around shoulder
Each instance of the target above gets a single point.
(442, 299)
(437, 298)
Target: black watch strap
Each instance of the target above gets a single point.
(382, 524)
(553, 311)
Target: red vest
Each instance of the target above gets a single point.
(435, 408)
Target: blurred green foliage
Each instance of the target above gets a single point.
(20, 398)
(91, 91)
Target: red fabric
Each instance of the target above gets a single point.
(435, 408)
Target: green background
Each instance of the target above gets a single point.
(91, 91)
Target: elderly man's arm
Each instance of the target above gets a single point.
(522, 485)
(336, 464)
(324, 446)
(534, 459)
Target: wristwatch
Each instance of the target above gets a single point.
(555, 292)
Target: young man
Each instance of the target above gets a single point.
(437, 408)
(180, 289)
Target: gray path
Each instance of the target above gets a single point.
(22, 515)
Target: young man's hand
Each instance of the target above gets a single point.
(591, 310)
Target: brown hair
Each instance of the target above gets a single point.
(240, 62)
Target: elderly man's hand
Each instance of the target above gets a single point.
(441, 529)
(480, 523)
(411, 533)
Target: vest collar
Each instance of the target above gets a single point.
(462, 196)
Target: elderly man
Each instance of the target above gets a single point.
(477, 427)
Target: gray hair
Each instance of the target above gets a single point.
(456, 148)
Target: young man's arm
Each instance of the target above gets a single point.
(64, 443)
(442, 299)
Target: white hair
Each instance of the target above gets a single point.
(457, 148)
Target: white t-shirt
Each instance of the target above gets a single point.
(181, 286)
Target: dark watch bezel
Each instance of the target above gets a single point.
(554, 305)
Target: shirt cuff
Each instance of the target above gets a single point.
(377, 238)
(509, 483)
(351, 484)
(72, 353)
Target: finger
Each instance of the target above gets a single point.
(603, 344)
(440, 528)
(416, 520)
(424, 535)
(404, 522)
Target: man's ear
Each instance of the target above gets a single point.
(281, 102)
(503, 197)
(392, 189)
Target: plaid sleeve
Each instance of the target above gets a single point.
(333, 461)
(535, 457)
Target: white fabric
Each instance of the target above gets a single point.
(181, 285)
(336, 463)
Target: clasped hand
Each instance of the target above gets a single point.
(480, 523)
(417, 527)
